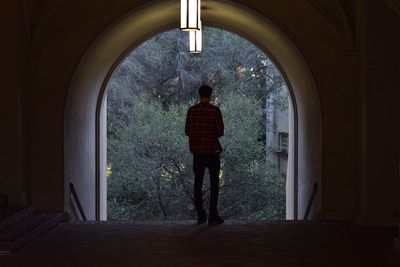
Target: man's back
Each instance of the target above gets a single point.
(204, 125)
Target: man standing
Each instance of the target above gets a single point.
(204, 125)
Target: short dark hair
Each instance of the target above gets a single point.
(205, 91)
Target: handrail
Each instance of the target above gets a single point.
(310, 202)
(78, 203)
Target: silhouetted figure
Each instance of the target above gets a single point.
(204, 125)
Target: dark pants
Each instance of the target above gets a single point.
(212, 162)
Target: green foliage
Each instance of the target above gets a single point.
(151, 165)
(150, 175)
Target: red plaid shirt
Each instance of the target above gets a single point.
(204, 125)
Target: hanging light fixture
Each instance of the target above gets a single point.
(196, 41)
(190, 15)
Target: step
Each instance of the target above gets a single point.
(15, 236)
(10, 215)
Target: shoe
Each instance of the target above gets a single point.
(201, 218)
(214, 220)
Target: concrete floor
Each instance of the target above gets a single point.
(232, 244)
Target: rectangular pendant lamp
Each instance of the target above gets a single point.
(196, 40)
(190, 15)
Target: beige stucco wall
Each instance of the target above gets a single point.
(13, 103)
(360, 103)
(379, 192)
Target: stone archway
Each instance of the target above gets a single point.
(85, 145)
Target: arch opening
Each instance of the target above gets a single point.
(149, 174)
(85, 121)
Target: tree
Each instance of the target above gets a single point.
(148, 96)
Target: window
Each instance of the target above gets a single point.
(283, 144)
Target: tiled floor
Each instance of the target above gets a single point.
(232, 244)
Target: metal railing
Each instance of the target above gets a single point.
(78, 203)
